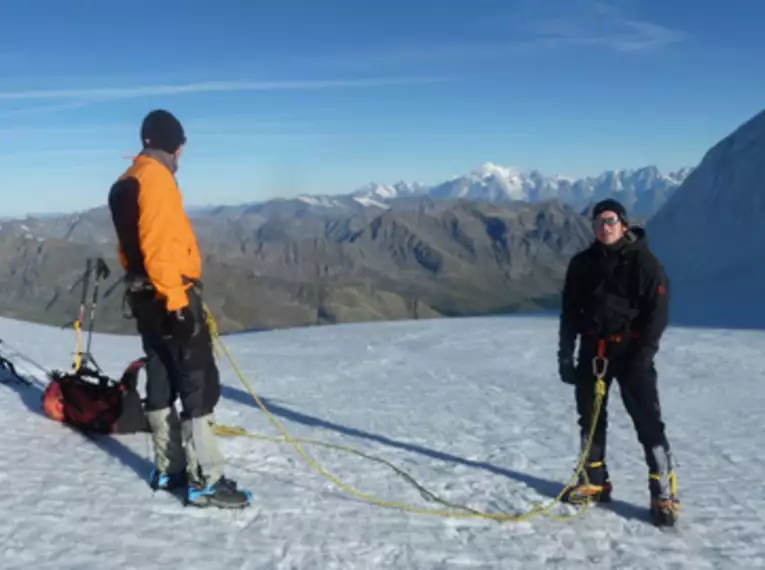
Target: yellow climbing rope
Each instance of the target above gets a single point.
(457, 510)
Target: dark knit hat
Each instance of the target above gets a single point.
(161, 130)
(610, 205)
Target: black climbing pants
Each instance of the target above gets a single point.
(637, 378)
(176, 369)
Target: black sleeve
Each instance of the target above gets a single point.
(653, 301)
(568, 329)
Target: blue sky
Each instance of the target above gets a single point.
(288, 97)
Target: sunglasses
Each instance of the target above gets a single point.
(610, 221)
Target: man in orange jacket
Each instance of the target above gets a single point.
(159, 253)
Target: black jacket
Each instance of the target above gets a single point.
(618, 289)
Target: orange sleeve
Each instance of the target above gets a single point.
(158, 207)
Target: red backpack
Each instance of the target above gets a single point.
(85, 397)
(93, 402)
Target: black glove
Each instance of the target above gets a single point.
(182, 324)
(567, 370)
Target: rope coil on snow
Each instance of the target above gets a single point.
(458, 510)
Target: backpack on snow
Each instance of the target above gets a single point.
(93, 402)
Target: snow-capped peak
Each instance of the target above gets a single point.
(371, 202)
(389, 191)
(490, 169)
(324, 201)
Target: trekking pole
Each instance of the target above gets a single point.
(79, 321)
(102, 272)
(85, 280)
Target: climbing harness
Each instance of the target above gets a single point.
(600, 364)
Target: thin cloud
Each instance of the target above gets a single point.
(42, 109)
(452, 52)
(74, 152)
(101, 94)
(269, 137)
(226, 125)
(602, 24)
(532, 26)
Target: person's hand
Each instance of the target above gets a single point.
(567, 370)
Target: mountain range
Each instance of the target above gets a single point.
(493, 241)
(643, 191)
(276, 265)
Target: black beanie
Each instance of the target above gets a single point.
(161, 130)
(610, 205)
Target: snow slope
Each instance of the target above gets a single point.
(711, 237)
(472, 408)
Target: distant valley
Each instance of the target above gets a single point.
(486, 243)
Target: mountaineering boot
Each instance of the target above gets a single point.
(167, 481)
(223, 493)
(169, 457)
(662, 483)
(597, 485)
(207, 485)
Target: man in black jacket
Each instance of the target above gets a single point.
(616, 295)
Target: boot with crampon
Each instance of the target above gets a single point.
(596, 486)
(662, 483)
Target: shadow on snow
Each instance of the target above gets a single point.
(545, 487)
(31, 396)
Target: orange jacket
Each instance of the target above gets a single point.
(155, 238)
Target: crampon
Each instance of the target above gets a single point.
(665, 512)
(587, 493)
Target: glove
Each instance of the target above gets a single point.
(182, 324)
(567, 371)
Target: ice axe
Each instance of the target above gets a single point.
(102, 272)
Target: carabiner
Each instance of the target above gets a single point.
(599, 372)
(601, 357)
